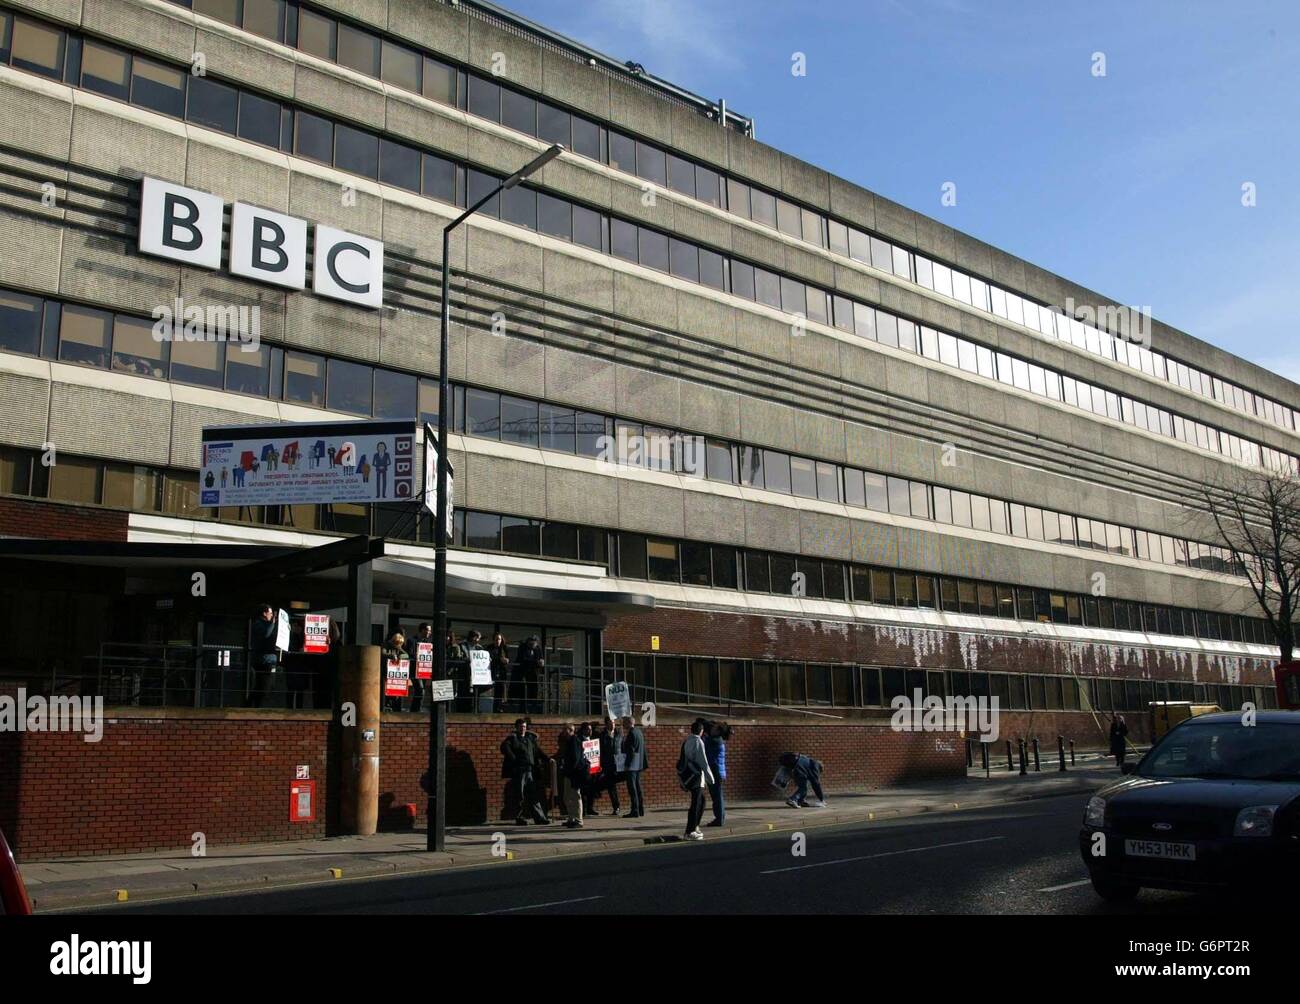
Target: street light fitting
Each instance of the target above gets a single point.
(536, 164)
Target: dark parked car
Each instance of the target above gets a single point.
(13, 894)
(1214, 805)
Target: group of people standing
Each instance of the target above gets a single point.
(594, 759)
(515, 681)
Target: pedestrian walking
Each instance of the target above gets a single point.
(634, 762)
(695, 776)
(521, 760)
(716, 747)
(805, 771)
(1118, 740)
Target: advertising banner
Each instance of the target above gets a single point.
(397, 683)
(316, 633)
(295, 463)
(431, 477)
(424, 660)
(480, 667)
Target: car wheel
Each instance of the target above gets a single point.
(1115, 890)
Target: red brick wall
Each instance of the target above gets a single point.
(60, 521)
(151, 783)
(748, 636)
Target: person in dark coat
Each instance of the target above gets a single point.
(611, 749)
(694, 773)
(805, 771)
(1118, 740)
(521, 760)
(532, 666)
(499, 652)
(264, 657)
(633, 764)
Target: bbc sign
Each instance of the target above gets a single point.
(184, 224)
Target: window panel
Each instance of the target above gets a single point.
(652, 249)
(762, 207)
(316, 34)
(265, 18)
(518, 111)
(708, 187)
(314, 138)
(135, 350)
(84, 336)
(776, 471)
(439, 81)
(399, 165)
(803, 477)
(20, 323)
(356, 151)
(713, 269)
(651, 164)
(106, 70)
(349, 387)
(684, 259)
(38, 48)
(358, 50)
(402, 66)
(157, 87)
(259, 120)
(203, 363)
(519, 206)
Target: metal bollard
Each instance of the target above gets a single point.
(1037, 766)
(1024, 759)
(1010, 762)
(1071, 752)
(970, 754)
(984, 756)
(1060, 752)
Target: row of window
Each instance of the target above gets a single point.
(320, 34)
(719, 566)
(73, 333)
(675, 679)
(142, 488)
(201, 99)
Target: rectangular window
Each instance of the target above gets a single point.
(588, 229)
(84, 336)
(356, 151)
(401, 66)
(724, 567)
(554, 125)
(304, 377)
(681, 175)
(882, 587)
(358, 50)
(559, 540)
(757, 573)
(483, 531)
(439, 81)
(249, 372)
(662, 561)
(316, 34)
(106, 70)
(763, 207)
(589, 432)
(556, 428)
(742, 280)
(708, 187)
(519, 418)
(135, 350)
(651, 164)
(20, 323)
(803, 477)
(399, 165)
(484, 98)
(75, 479)
(718, 461)
(900, 496)
(738, 198)
(684, 260)
(259, 120)
(518, 112)
(203, 364)
(713, 269)
(554, 216)
(767, 287)
(131, 487)
(37, 48)
(519, 206)
(587, 138)
(776, 471)
(315, 138)
(349, 387)
(157, 87)
(623, 240)
(521, 536)
(631, 556)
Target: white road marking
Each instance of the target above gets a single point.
(538, 906)
(885, 854)
(1067, 885)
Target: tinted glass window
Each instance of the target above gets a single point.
(213, 104)
(586, 138)
(653, 248)
(157, 87)
(395, 394)
(358, 50)
(356, 151)
(684, 259)
(484, 98)
(483, 531)
(518, 111)
(477, 186)
(681, 175)
(713, 269)
(718, 465)
(707, 185)
(402, 66)
(249, 372)
(439, 181)
(106, 70)
(651, 163)
(84, 336)
(316, 34)
(631, 555)
(519, 421)
(553, 125)
(439, 81)
(742, 280)
(622, 152)
(259, 120)
(519, 206)
(767, 287)
(556, 428)
(803, 477)
(38, 48)
(399, 165)
(20, 323)
(135, 350)
(315, 138)
(724, 567)
(589, 430)
(349, 387)
(623, 241)
(201, 363)
(776, 471)
(521, 536)
(482, 413)
(757, 576)
(265, 18)
(554, 216)
(587, 227)
(763, 207)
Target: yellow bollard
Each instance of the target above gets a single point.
(121, 895)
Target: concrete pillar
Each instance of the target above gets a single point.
(359, 742)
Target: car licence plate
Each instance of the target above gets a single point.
(1169, 849)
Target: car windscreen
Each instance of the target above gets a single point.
(1265, 751)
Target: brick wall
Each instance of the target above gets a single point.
(60, 521)
(151, 783)
(750, 636)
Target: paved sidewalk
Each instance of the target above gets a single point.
(78, 883)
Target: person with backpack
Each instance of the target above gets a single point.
(805, 771)
(695, 776)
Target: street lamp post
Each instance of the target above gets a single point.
(437, 775)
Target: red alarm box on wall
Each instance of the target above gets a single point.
(302, 802)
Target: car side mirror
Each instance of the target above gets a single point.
(1128, 768)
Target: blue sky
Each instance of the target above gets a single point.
(1130, 184)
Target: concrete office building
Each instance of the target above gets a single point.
(726, 425)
